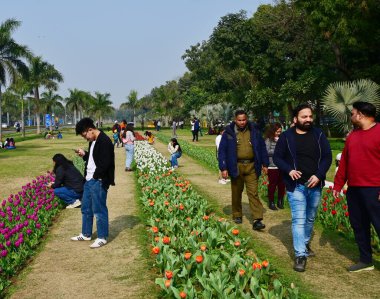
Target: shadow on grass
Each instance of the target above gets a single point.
(283, 232)
(122, 223)
(246, 211)
(343, 246)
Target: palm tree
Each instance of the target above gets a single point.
(76, 101)
(51, 100)
(101, 105)
(42, 74)
(17, 92)
(339, 97)
(11, 55)
(132, 103)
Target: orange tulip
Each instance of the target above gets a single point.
(199, 259)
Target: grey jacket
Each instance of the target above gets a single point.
(270, 144)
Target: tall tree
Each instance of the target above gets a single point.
(76, 101)
(51, 101)
(351, 30)
(42, 74)
(132, 103)
(11, 55)
(101, 105)
(17, 93)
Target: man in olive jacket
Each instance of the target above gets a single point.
(242, 155)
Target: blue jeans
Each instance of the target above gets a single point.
(303, 205)
(67, 195)
(129, 151)
(174, 157)
(94, 204)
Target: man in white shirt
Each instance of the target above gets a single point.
(99, 174)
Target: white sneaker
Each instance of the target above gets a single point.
(227, 180)
(76, 204)
(81, 238)
(98, 243)
(221, 181)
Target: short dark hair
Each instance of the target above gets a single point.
(83, 125)
(240, 112)
(365, 108)
(300, 107)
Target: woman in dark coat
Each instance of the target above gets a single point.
(68, 184)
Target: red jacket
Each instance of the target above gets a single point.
(360, 161)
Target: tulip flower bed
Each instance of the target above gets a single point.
(197, 254)
(24, 220)
(333, 214)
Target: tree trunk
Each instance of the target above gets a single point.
(75, 116)
(22, 117)
(51, 123)
(1, 120)
(29, 119)
(37, 98)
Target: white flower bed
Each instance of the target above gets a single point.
(148, 160)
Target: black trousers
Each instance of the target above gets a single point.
(364, 209)
(195, 135)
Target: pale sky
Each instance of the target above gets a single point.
(117, 45)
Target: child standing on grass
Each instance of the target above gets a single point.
(115, 138)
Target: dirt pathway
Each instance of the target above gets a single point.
(326, 273)
(68, 269)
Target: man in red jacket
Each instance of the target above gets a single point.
(360, 168)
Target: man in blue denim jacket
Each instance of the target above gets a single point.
(303, 154)
(242, 155)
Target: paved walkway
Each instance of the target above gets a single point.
(68, 269)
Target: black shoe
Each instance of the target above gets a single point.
(272, 206)
(258, 225)
(360, 267)
(280, 204)
(309, 251)
(238, 220)
(300, 264)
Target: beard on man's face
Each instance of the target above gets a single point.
(306, 126)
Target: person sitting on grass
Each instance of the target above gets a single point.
(10, 143)
(149, 137)
(68, 184)
(176, 152)
(59, 135)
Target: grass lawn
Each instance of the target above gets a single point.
(32, 158)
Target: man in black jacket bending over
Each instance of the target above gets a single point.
(99, 174)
